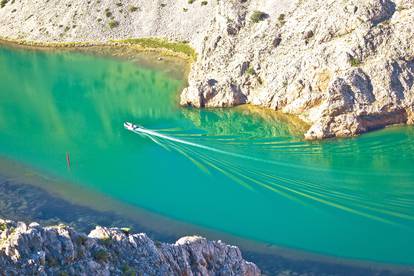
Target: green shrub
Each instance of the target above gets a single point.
(81, 240)
(191, 1)
(113, 24)
(355, 62)
(3, 226)
(282, 18)
(108, 13)
(204, 3)
(133, 8)
(101, 255)
(128, 271)
(250, 71)
(3, 3)
(257, 16)
(106, 241)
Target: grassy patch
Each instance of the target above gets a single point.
(126, 230)
(158, 43)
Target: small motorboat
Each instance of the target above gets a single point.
(131, 126)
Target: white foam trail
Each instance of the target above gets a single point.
(151, 133)
(288, 187)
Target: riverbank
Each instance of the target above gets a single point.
(161, 47)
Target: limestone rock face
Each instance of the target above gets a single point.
(85, 20)
(344, 67)
(35, 250)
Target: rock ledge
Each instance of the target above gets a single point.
(60, 250)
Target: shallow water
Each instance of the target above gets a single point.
(244, 171)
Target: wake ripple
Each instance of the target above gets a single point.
(341, 194)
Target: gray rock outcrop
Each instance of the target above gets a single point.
(60, 250)
(344, 67)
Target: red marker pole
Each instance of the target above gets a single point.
(68, 160)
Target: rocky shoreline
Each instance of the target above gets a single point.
(60, 250)
(342, 67)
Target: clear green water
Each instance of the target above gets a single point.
(352, 198)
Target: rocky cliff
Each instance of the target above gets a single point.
(60, 250)
(345, 67)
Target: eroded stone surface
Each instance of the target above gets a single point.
(345, 67)
(36, 250)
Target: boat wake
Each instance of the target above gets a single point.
(275, 177)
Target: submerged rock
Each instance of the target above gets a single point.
(60, 250)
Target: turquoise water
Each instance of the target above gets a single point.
(243, 171)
